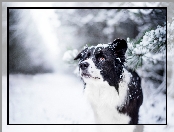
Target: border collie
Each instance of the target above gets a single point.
(113, 90)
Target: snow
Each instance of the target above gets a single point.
(102, 45)
(118, 59)
(48, 98)
(170, 116)
(45, 99)
(151, 48)
(158, 34)
(153, 109)
(139, 50)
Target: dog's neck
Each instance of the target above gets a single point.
(105, 100)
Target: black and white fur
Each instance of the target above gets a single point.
(113, 90)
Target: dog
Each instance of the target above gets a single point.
(113, 90)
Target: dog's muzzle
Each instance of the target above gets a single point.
(84, 70)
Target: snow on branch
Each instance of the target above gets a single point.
(152, 48)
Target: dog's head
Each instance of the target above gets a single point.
(103, 62)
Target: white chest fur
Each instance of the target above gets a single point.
(104, 100)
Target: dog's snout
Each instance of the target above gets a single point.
(84, 65)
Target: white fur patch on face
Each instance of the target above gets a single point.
(92, 71)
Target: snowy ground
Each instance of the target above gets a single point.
(58, 99)
(45, 99)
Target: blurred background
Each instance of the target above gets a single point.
(39, 38)
(44, 86)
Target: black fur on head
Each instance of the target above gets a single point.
(109, 59)
(120, 47)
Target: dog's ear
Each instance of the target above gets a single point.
(120, 46)
(80, 55)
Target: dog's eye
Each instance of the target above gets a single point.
(101, 59)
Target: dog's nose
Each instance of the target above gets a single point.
(84, 65)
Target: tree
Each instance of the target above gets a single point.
(148, 55)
